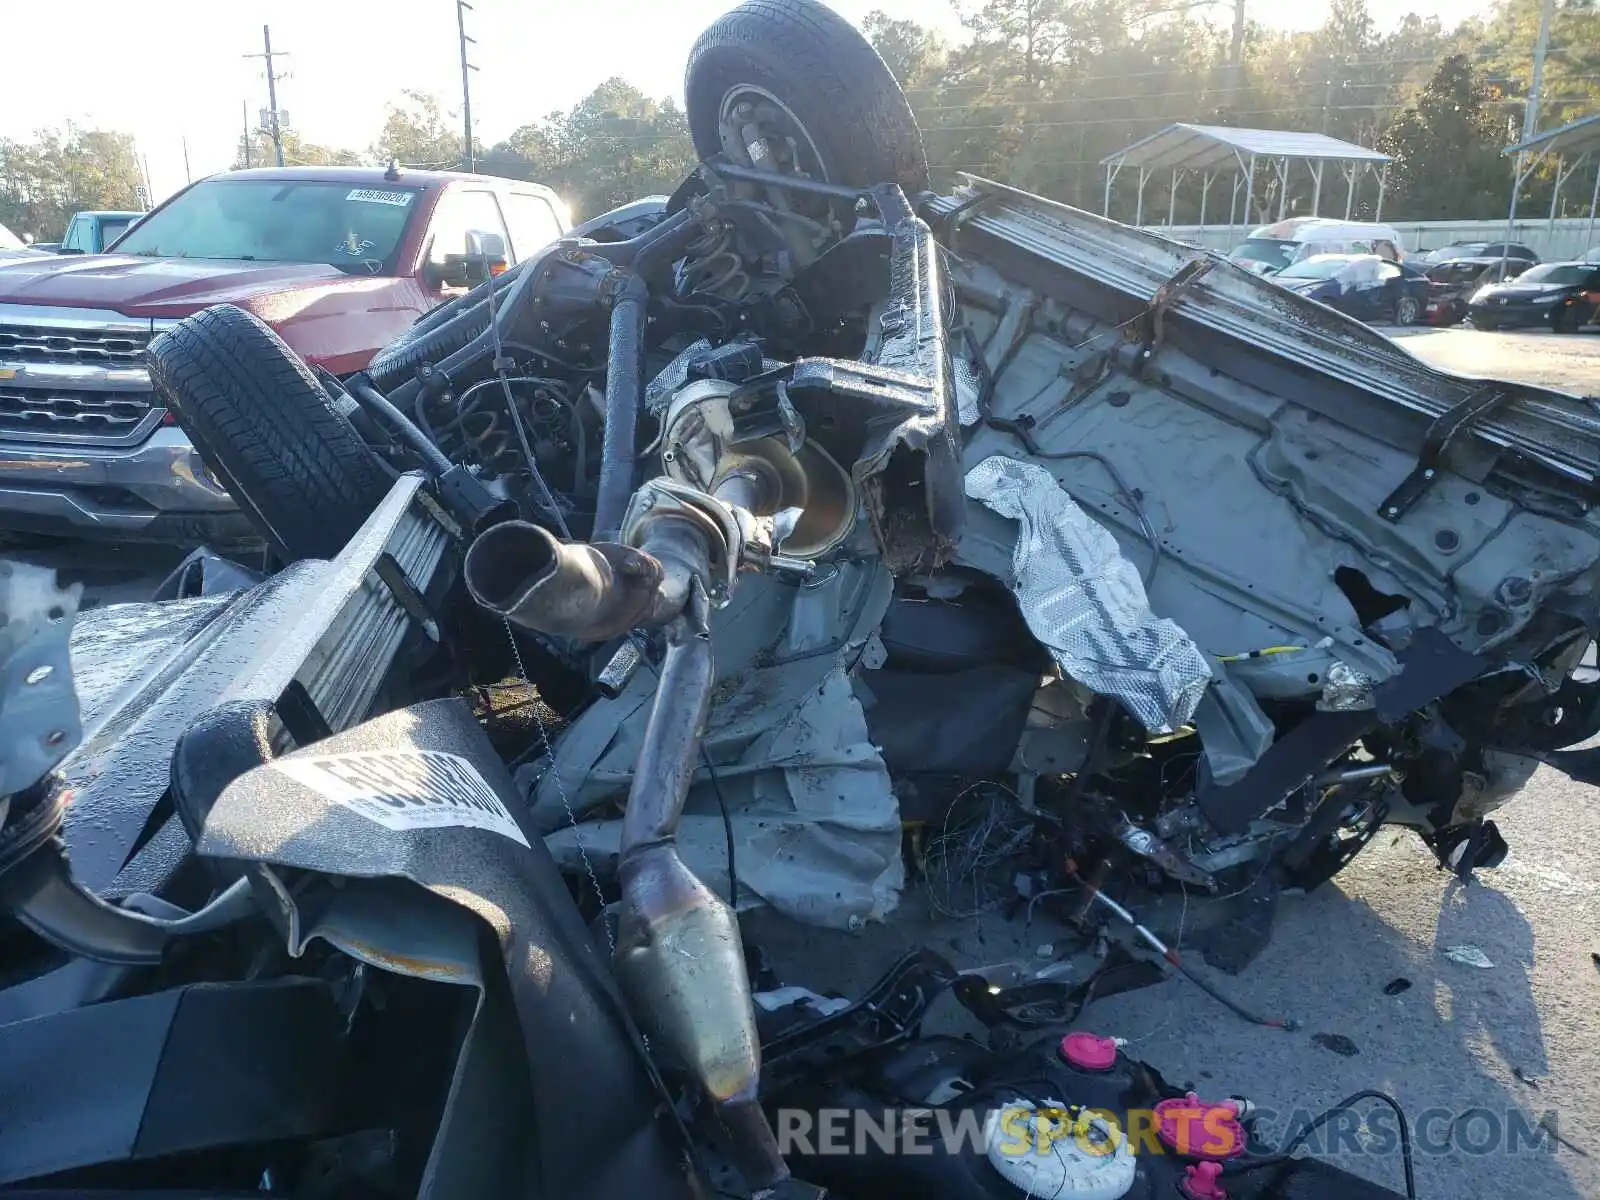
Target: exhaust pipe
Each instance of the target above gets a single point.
(679, 956)
(590, 593)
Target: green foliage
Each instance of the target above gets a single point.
(419, 132)
(259, 152)
(616, 145)
(1043, 90)
(1446, 145)
(60, 171)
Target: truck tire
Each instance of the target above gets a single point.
(266, 428)
(816, 65)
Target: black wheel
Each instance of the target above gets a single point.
(1407, 310)
(811, 86)
(1570, 318)
(436, 335)
(266, 428)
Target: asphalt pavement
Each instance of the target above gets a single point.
(1568, 362)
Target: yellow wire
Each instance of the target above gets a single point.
(1259, 653)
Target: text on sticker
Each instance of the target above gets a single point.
(406, 789)
(372, 196)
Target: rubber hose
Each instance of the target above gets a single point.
(385, 413)
(624, 393)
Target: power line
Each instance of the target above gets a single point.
(1476, 56)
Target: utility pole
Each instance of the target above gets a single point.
(1530, 116)
(249, 134)
(274, 125)
(1236, 54)
(1530, 121)
(466, 87)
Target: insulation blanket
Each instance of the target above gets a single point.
(1085, 602)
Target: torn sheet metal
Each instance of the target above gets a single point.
(816, 824)
(1233, 730)
(673, 376)
(1084, 600)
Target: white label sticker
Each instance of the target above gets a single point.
(406, 789)
(370, 196)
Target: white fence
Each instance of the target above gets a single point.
(1569, 237)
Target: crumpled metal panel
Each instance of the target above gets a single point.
(659, 391)
(816, 826)
(1558, 430)
(816, 822)
(1084, 601)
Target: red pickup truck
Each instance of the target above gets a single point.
(339, 260)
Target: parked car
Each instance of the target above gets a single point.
(1453, 283)
(1561, 296)
(92, 231)
(1365, 286)
(11, 246)
(1495, 250)
(338, 260)
(1271, 248)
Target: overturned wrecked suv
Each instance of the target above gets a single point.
(676, 571)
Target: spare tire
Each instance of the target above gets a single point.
(802, 59)
(265, 427)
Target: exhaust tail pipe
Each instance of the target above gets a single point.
(590, 593)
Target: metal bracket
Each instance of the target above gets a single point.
(1154, 329)
(1435, 442)
(393, 576)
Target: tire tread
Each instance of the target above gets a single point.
(266, 429)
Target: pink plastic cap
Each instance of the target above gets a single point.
(1197, 1128)
(1203, 1181)
(1089, 1051)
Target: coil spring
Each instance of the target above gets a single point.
(485, 434)
(713, 265)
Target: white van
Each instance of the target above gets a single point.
(1271, 248)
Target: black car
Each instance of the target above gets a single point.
(1451, 285)
(1562, 296)
(1363, 285)
(1496, 250)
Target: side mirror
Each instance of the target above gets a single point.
(485, 257)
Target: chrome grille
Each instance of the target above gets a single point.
(83, 346)
(37, 414)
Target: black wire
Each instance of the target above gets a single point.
(1283, 1156)
(1231, 1005)
(727, 829)
(546, 498)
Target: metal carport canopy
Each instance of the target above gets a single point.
(1212, 149)
(1576, 142)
